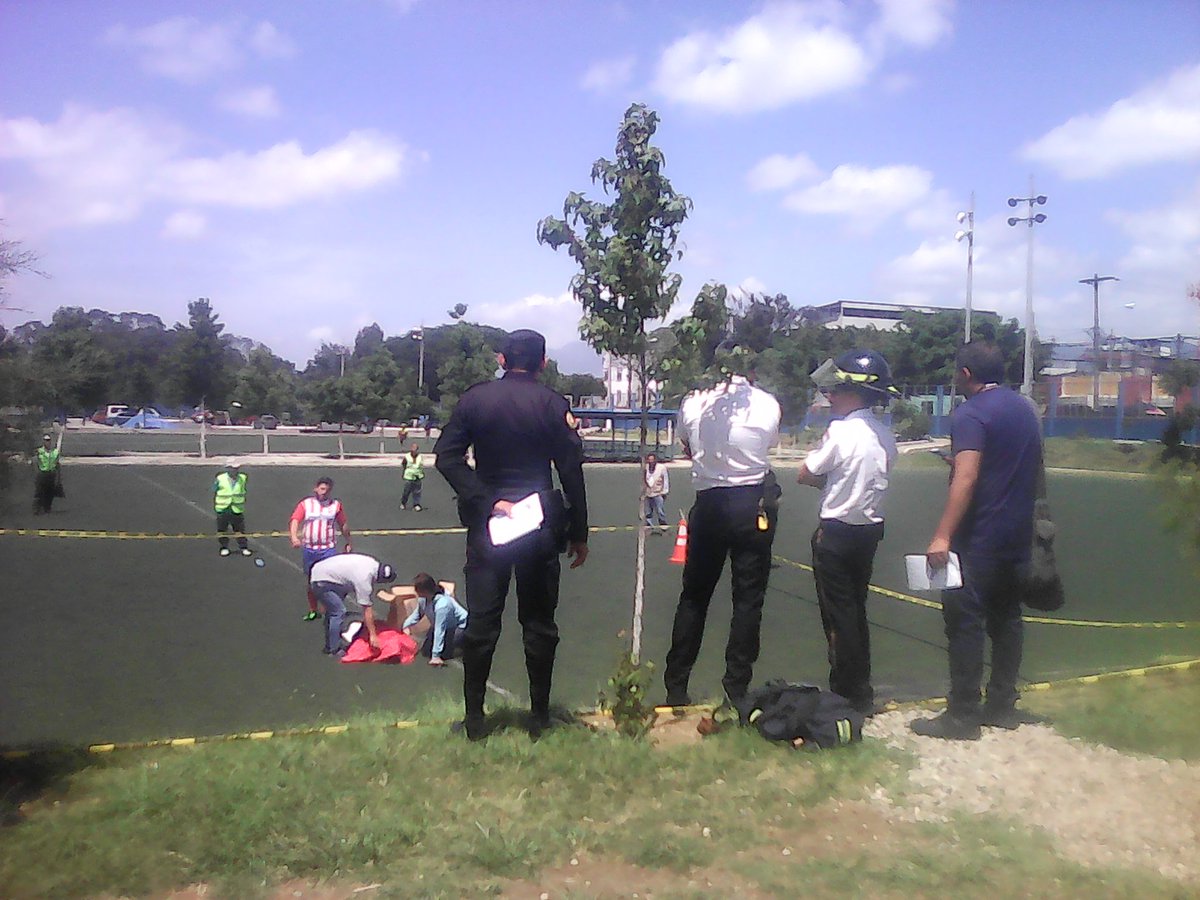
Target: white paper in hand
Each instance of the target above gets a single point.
(922, 578)
(526, 516)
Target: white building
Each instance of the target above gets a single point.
(623, 385)
(870, 314)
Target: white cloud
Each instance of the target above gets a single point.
(92, 167)
(188, 50)
(787, 53)
(1165, 242)
(253, 102)
(792, 52)
(283, 174)
(777, 172)
(186, 224)
(267, 41)
(916, 23)
(865, 195)
(555, 316)
(1158, 124)
(608, 75)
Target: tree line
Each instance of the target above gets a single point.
(82, 360)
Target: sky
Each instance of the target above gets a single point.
(313, 167)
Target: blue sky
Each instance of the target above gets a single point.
(313, 167)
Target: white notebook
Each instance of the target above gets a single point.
(526, 516)
(922, 578)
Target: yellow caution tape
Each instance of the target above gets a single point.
(1037, 620)
(208, 535)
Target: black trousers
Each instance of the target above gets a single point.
(988, 603)
(489, 571)
(412, 488)
(843, 558)
(228, 520)
(43, 491)
(722, 523)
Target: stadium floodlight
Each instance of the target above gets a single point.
(418, 335)
(1038, 200)
(967, 218)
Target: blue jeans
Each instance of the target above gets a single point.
(989, 602)
(332, 597)
(656, 513)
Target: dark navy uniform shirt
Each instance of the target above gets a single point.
(518, 427)
(1003, 427)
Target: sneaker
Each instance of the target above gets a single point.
(403, 507)
(417, 508)
(224, 551)
(1009, 719)
(947, 727)
(437, 661)
(311, 616)
(246, 551)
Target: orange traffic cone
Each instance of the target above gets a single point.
(679, 555)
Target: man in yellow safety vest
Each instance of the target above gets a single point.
(229, 501)
(47, 485)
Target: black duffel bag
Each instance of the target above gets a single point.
(784, 711)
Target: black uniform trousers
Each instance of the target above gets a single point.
(228, 520)
(843, 558)
(44, 487)
(722, 523)
(489, 570)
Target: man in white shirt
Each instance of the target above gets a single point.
(726, 431)
(851, 466)
(348, 580)
(658, 485)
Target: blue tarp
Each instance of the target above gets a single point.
(148, 419)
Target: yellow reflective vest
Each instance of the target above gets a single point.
(230, 493)
(47, 460)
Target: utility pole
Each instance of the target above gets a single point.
(968, 218)
(1032, 219)
(1094, 281)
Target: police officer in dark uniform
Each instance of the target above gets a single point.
(517, 427)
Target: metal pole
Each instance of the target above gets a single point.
(421, 364)
(1095, 343)
(970, 265)
(1027, 385)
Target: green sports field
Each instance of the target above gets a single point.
(135, 639)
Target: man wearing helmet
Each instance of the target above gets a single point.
(851, 466)
(348, 579)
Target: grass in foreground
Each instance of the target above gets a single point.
(1155, 715)
(422, 814)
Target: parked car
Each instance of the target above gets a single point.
(267, 422)
(108, 415)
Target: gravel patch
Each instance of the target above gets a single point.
(1102, 807)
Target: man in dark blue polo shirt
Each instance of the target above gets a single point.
(988, 521)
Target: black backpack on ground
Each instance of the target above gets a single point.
(783, 711)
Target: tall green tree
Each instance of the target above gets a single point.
(203, 367)
(72, 371)
(468, 356)
(267, 385)
(624, 246)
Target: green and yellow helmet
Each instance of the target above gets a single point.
(863, 369)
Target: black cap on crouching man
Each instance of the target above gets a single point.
(524, 349)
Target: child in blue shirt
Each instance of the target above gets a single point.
(447, 620)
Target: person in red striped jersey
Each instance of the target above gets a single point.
(314, 527)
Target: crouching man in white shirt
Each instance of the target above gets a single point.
(348, 580)
(851, 466)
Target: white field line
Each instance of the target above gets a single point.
(502, 691)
